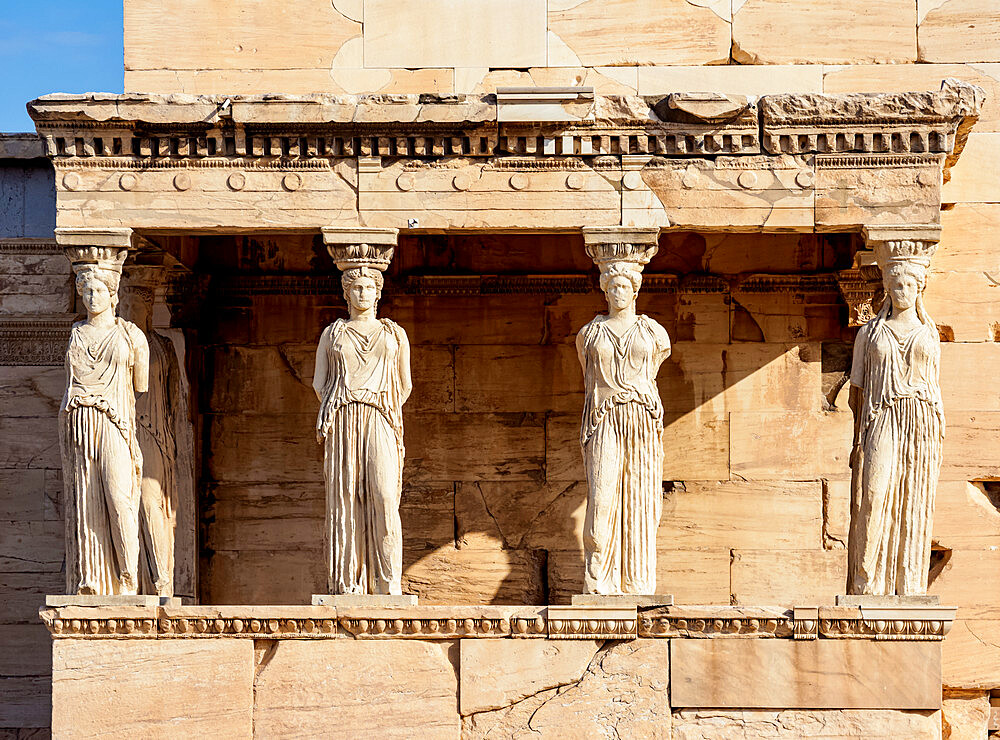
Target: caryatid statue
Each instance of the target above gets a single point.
(899, 424)
(107, 363)
(155, 427)
(622, 429)
(362, 380)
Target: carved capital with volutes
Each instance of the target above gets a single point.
(359, 246)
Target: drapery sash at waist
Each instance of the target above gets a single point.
(651, 403)
(102, 404)
(378, 400)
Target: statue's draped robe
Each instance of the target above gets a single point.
(158, 502)
(102, 464)
(622, 439)
(361, 424)
(899, 458)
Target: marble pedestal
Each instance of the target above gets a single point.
(364, 600)
(623, 600)
(61, 600)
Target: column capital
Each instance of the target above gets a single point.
(360, 246)
(120, 238)
(902, 243)
(610, 244)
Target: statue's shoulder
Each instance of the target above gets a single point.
(137, 335)
(592, 324)
(395, 328)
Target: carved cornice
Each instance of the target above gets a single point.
(29, 246)
(491, 622)
(153, 128)
(34, 340)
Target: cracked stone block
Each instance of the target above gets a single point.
(498, 673)
(622, 693)
(358, 688)
(828, 724)
(965, 715)
(138, 688)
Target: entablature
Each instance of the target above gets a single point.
(790, 162)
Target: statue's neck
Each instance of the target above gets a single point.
(365, 314)
(622, 314)
(103, 320)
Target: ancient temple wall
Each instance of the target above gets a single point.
(622, 47)
(34, 289)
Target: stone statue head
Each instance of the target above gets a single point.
(620, 282)
(904, 281)
(362, 287)
(98, 288)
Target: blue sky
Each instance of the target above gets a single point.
(56, 46)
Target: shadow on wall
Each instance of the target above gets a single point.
(494, 494)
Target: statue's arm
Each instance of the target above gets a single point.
(581, 341)
(322, 363)
(140, 367)
(405, 381)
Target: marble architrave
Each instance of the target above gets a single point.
(622, 428)
(362, 380)
(899, 424)
(107, 364)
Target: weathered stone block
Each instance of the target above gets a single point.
(643, 32)
(626, 681)
(739, 515)
(805, 674)
(305, 34)
(958, 31)
(782, 446)
(787, 32)
(732, 79)
(788, 577)
(976, 176)
(412, 36)
(448, 575)
(497, 674)
(963, 305)
(797, 724)
(193, 687)
(352, 688)
(971, 651)
(691, 576)
(965, 714)
(906, 77)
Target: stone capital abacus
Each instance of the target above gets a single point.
(608, 245)
(359, 246)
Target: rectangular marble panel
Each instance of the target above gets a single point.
(454, 33)
(806, 674)
(358, 688)
(147, 688)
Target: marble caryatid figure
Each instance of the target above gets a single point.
(362, 380)
(622, 430)
(155, 428)
(899, 430)
(107, 363)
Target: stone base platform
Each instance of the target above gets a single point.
(477, 671)
(364, 600)
(643, 600)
